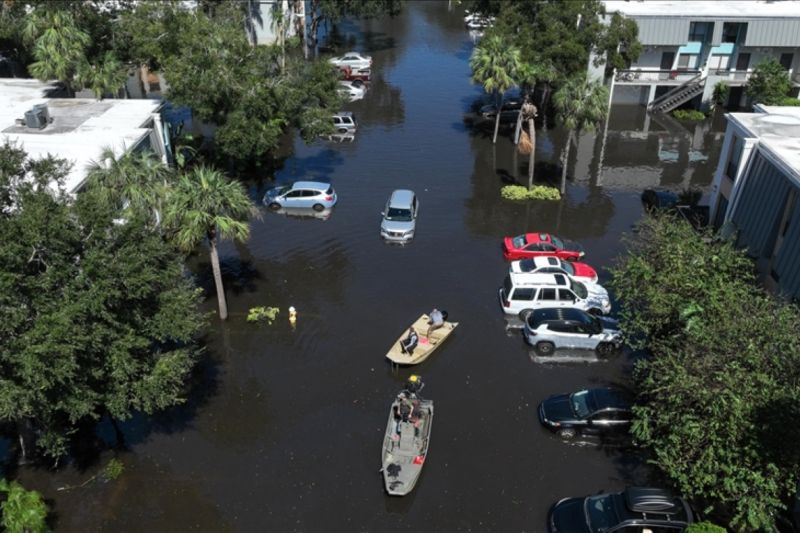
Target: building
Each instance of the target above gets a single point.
(755, 192)
(690, 46)
(78, 129)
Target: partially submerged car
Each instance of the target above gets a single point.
(634, 509)
(554, 265)
(551, 328)
(351, 90)
(301, 194)
(522, 293)
(400, 216)
(355, 60)
(597, 411)
(540, 244)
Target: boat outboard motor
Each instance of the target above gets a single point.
(414, 384)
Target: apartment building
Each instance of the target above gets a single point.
(690, 46)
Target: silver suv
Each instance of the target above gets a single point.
(400, 216)
(344, 122)
(301, 194)
(563, 327)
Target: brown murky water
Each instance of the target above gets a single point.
(284, 429)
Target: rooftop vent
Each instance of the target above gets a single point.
(38, 117)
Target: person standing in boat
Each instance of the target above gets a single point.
(408, 344)
(436, 320)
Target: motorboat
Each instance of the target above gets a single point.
(425, 346)
(408, 434)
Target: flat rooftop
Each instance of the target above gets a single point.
(777, 130)
(745, 9)
(81, 127)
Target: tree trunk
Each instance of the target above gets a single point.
(564, 160)
(26, 439)
(496, 125)
(212, 245)
(118, 434)
(532, 134)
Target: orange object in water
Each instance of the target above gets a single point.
(418, 460)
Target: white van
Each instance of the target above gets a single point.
(523, 292)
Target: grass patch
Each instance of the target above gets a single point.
(539, 192)
(689, 114)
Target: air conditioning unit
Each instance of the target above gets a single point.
(38, 117)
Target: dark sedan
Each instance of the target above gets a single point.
(586, 411)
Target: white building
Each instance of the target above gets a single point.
(80, 127)
(690, 46)
(756, 189)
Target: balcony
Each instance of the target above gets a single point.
(654, 76)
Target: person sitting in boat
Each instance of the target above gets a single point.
(436, 320)
(408, 344)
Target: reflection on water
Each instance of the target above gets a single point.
(289, 436)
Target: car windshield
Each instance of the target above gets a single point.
(399, 215)
(569, 269)
(558, 243)
(277, 191)
(526, 265)
(579, 289)
(600, 512)
(580, 403)
(519, 241)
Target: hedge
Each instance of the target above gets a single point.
(539, 192)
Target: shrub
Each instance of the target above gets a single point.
(705, 527)
(257, 314)
(790, 101)
(539, 192)
(689, 114)
(721, 93)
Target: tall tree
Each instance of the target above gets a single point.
(135, 182)
(619, 44)
(96, 318)
(494, 65)
(59, 47)
(769, 83)
(104, 77)
(205, 205)
(581, 105)
(718, 395)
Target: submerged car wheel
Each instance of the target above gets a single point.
(604, 348)
(342, 130)
(274, 206)
(567, 433)
(318, 207)
(545, 348)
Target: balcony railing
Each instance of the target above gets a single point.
(669, 77)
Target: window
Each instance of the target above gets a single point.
(736, 155)
(685, 61)
(701, 31)
(786, 61)
(523, 294)
(718, 62)
(295, 194)
(560, 327)
(565, 295)
(547, 294)
(734, 32)
(743, 62)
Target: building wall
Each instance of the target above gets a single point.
(663, 30)
(773, 32)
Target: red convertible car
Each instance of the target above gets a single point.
(540, 244)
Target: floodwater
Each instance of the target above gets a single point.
(284, 426)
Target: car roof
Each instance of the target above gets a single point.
(315, 185)
(527, 279)
(343, 114)
(401, 198)
(545, 314)
(606, 398)
(537, 237)
(546, 261)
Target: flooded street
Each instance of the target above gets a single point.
(284, 429)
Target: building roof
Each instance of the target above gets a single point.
(81, 127)
(746, 9)
(777, 129)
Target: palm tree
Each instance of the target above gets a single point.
(278, 14)
(135, 182)
(59, 49)
(205, 204)
(529, 115)
(494, 65)
(528, 75)
(581, 105)
(107, 77)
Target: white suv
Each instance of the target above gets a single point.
(522, 292)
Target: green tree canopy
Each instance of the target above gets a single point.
(96, 316)
(769, 84)
(494, 65)
(719, 395)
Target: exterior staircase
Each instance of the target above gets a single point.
(679, 95)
